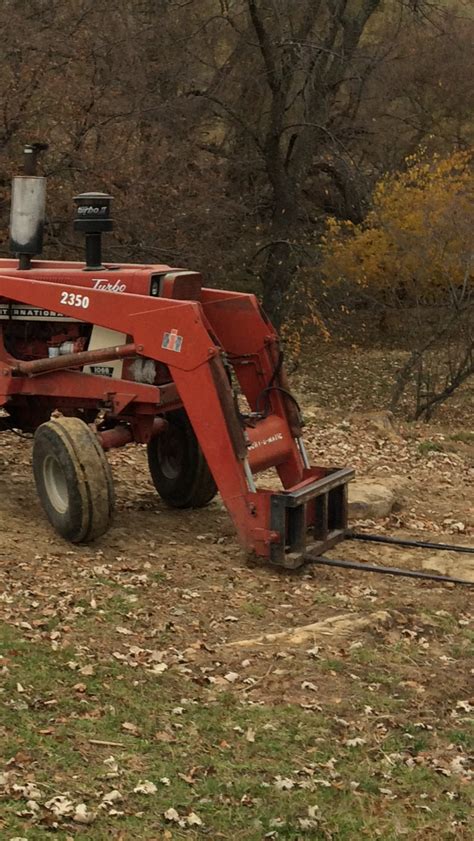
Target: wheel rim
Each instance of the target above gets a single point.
(170, 453)
(55, 484)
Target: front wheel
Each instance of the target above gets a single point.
(73, 479)
(177, 465)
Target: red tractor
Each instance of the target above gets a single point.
(95, 355)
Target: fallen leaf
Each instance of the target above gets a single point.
(60, 806)
(164, 736)
(171, 815)
(283, 783)
(81, 815)
(250, 735)
(113, 796)
(231, 677)
(129, 727)
(193, 820)
(112, 764)
(308, 685)
(145, 787)
(158, 668)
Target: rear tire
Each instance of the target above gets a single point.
(177, 465)
(73, 479)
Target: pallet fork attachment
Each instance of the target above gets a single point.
(387, 570)
(319, 501)
(389, 540)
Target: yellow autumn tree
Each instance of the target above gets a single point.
(414, 254)
(416, 243)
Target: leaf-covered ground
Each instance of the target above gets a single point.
(142, 696)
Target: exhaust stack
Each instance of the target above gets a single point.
(28, 208)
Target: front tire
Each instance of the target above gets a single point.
(177, 465)
(73, 479)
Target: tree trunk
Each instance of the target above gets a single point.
(280, 268)
(282, 251)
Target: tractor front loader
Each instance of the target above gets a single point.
(95, 356)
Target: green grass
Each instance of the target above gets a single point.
(426, 447)
(463, 738)
(254, 609)
(214, 767)
(465, 437)
(332, 665)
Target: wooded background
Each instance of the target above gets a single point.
(230, 131)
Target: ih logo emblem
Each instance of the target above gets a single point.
(171, 341)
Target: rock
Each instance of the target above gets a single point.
(378, 422)
(369, 500)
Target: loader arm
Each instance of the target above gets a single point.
(204, 344)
